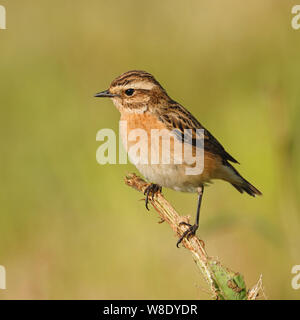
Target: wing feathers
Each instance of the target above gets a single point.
(177, 117)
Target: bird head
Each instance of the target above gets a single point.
(135, 91)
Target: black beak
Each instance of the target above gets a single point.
(104, 94)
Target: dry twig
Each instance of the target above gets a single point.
(224, 283)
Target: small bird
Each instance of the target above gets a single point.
(145, 104)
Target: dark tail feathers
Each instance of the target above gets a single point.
(245, 186)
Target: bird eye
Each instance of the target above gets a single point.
(129, 92)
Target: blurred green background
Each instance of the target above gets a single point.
(69, 227)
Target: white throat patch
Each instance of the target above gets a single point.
(121, 108)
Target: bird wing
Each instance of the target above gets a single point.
(177, 118)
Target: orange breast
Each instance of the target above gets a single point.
(146, 121)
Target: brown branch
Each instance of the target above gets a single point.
(223, 283)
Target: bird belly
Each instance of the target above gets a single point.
(170, 176)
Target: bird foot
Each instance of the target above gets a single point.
(151, 190)
(191, 231)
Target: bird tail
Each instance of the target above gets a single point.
(247, 187)
(242, 185)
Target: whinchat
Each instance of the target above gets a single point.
(144, 104)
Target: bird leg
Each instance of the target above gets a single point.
(191, 231)
(151, 189)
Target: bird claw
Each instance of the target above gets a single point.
(191, 231)
(151, 189)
